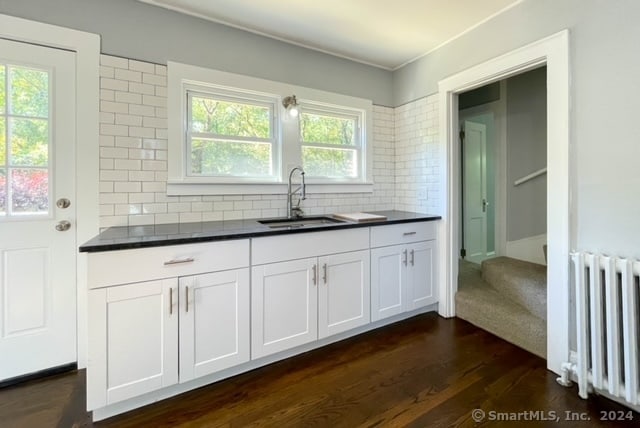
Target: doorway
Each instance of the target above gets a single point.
(554, 52)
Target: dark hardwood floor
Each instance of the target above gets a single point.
(423, 372)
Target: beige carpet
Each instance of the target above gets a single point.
(506, 297)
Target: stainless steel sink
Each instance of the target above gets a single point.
(299, 222)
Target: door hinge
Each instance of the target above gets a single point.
(463, 253)
(462, 134)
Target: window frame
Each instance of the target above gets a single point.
(181, 77)
(359, 138)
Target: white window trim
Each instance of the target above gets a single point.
(181, 76)
(360, 146)
(265, 100)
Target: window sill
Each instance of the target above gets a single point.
(179, 188)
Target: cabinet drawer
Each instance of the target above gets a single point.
(302, 245)
(144, 264)
(402, 233)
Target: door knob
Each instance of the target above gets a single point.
(63, 226)
(485, 204)
(63, 203)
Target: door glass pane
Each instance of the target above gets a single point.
(325, 162)
(211, 157)
(3, 192)
(29, 92)
(3, 142)
(29, 191)
(29, 142)
(3, 90)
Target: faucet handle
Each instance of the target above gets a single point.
(296, 212)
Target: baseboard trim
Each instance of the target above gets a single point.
(38, 375)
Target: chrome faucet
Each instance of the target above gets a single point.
(295, 212)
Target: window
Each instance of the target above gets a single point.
(330, 144)
(230, 134)
(24, 141)
(230, 137)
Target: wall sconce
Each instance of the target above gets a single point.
(290, 104)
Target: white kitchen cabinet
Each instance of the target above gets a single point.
(388, 281)
(214, 322)
(136, 350)
(135, 345)
(343, 292)
(307, 286)
(284, 304)
(421, 272)
(403, 269)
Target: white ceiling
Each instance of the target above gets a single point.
(383, 33)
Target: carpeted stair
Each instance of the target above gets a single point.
(508, 298)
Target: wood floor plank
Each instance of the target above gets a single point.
(423, 372)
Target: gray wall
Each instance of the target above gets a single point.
(136, 30)
(605, 141)
(526, 153)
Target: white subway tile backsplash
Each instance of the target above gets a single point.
(138, 131)
(142, 110)
(115, 130)
(133, 159)
(128, 142)
(145, 67)
(127, 164)
(114, 84)
(127, 97)
(132, 76)
(141, 88)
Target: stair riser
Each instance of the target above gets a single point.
(525, 286)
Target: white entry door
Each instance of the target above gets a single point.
(475, 201)
(37, 169)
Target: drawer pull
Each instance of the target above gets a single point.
(408, 233)
(179, 261)
(325, 273)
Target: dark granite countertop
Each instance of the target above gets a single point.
(123, 238)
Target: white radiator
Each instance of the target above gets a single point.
(608, 324)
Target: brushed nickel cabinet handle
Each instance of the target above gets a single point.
(408, 233)
(325, 273)
(315, 277)
(179, 261)
(405, 257)
(186, 299)
(412, 258)
(170, 301)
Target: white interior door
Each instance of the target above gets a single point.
(37, 168)
(475, 191)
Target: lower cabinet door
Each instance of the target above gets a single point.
(343, 292)
(133, 340)
(421, 275)
(388, 281)
(214, 322)
(284, 311)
